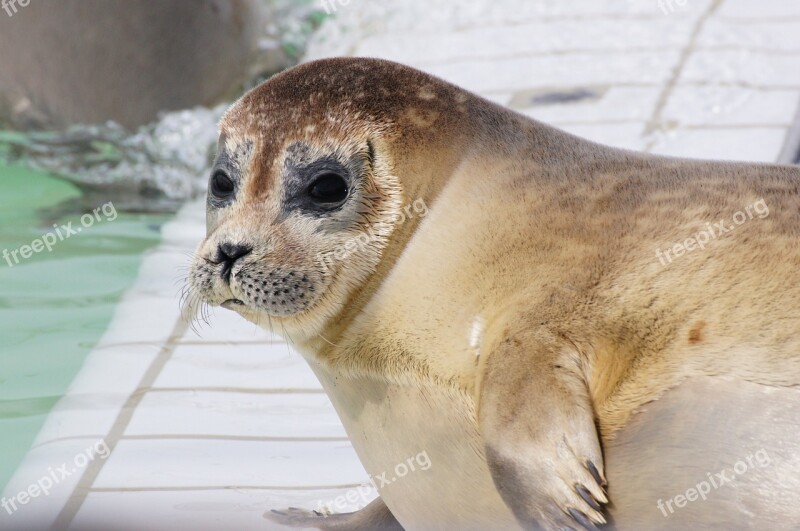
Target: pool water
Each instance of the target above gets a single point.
(56, 304)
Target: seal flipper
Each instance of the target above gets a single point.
(538, 427)
(375, 516)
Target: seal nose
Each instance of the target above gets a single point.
(227, 255)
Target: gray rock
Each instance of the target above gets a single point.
(91, 61)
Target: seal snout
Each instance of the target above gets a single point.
(227, 255)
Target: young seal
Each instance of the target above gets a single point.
(548, 289)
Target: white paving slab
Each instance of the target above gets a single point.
(54, 465)
(226, 326)
(748, 10)
(203, 463)
(777, 35)
(195, 510)
(594, 36)
(731, 106)
(237, 366)
(745, 67)
(611, 104)
(745, 144)
(567, 70)
(625, 136)
(229, 414)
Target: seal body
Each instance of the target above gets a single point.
(508, 299)
(390, 424)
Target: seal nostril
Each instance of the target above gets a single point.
(229, 251)
(228, 254)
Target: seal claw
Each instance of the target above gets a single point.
(581, 518)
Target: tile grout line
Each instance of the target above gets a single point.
(203, 437)
(192, 342)
(230, 487)
(631, 85)
(537, 54)
(655, 121)
(242, 390)
(93, 469)
(242, 438)
(550, 19)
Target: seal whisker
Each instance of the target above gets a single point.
(327, 340)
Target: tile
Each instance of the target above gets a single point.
(225, 325)
(90, 415)
(746, 67)
(640, 68)
(50, 473)
(139, 318)
(162, 274)
(249, 366)
(99, 391)
(777, 35)
(625, 136)
(206, 413)
(610, 104)
(500, 98)
(727, 105)
(351, 27)
(114, 370)
(203, 510)
(749, 10)
(512, 11)
(188, 228)
(746, 144)
(224, 463)
(556, 37)
(688, 11)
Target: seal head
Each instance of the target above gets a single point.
(306, 180)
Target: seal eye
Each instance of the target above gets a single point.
(221, 185)
(328, 188)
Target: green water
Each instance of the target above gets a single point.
(55, 305)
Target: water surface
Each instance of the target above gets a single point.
(55, 305)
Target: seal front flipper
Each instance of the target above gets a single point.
(538, 428)
(375, 516)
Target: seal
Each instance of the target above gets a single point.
(540, 294)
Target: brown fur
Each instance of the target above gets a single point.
(546, 245)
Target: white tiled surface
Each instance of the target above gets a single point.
(725, 144)
(715, 106)
(521, 73)
(762, 9)
(232, 414)
(612, 104)
(235, 366)
(208, 430)
(222, 463)
(211, 510)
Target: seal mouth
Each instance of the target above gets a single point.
(231, 304)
